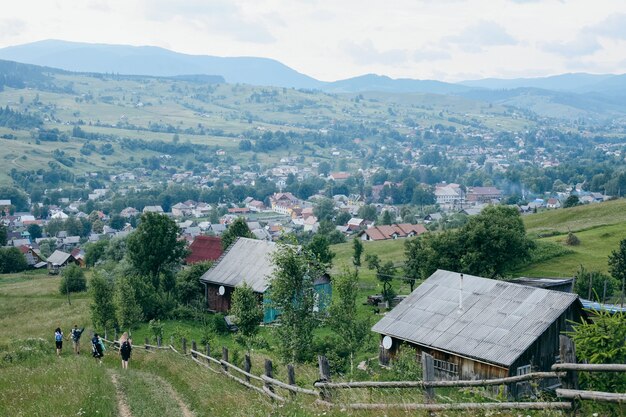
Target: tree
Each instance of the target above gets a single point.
(342, 218)
(3, 234)
(46, 247)
(358, 251)
(72, 280)
(617, 266)
(320, 247)
(102, 307)
(494, 242)
(384, 273)
(34, 230)
(117, 222)
(343, 317)
(324, 209)
(601, 341)
(386, 218)
(367, 212)
(238, 228)
(594, 285)
(248, 314)
(12, 260)
(188, 285)
(415, 253)
(95, 251)
(292, 293)
(154, 247)
(128, 310)
(571, 201)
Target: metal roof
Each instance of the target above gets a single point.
(58, 257)
(246, 260)
(497, 323)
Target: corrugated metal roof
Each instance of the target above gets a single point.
(498, 322)
(247, 260)
(58, 257)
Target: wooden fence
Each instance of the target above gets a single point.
(324, 388)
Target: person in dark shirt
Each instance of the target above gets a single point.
(76, 334)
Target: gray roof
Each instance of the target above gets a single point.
(498, 322)
(247, 260)
(58, 257)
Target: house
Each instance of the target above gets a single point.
(356, 223)
(205, 248)
(432, 217)
(479, 328)
(339, 176)
(553, 203)
(33, 256)
(180, 210)
(153, 209)
(449, 195)
(478, 195)
(393, 231)
(58, 260)
(249, 261)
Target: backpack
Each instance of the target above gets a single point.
(125, 348)
(58, 337)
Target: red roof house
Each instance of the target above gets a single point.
(205, 248)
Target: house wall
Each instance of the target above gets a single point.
(543, 353)
(217, 302)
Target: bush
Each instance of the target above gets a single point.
(572, 240)
(72, 280)
(406, 366)
(12, 260)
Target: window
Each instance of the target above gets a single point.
(523, 370)
(448, 367)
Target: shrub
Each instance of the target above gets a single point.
(72, 280)
(406, 366)
(572, 240)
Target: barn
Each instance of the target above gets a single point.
(479, 328)
(249, 260)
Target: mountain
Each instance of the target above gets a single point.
(373, 82)
(151, 60)
(573, 83)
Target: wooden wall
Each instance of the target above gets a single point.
(217, 302)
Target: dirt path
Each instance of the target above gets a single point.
(186, 412)
(122, 406)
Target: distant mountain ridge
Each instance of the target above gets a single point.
(567, 95)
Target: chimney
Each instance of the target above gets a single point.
(461, 294)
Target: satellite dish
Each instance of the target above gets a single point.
(221, 290)
(387, 342)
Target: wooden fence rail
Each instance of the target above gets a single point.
(324, 386)
(440, 384)
(591, 395)
(589, 367)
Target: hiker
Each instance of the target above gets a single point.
(125, 349)
(97, 347)
(76, 334)
(58, 340)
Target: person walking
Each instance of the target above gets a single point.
(97, 347)
(126, 347)
(76, 334)
(58, 340)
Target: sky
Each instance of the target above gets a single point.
(448, 40)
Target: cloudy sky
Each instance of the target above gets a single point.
(334, 39)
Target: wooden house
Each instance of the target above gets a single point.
(58, 260)
(249, 261)
(205, 248)
(478, 328)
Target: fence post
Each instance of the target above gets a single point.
(159, 341)
(428, 374)
(324, 368)
(567, 352)
(208, 353)
(147, 343)
(172, 340)
(194, 348)
(269, 372)
(105, 334)
(225, 357)
(291, 375)
(184, 346)
(247, 366)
